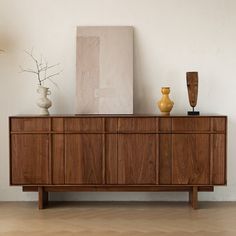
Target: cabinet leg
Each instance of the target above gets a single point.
(42, 198)
(193, 197)
(190, 196)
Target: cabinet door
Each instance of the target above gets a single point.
(191, 159)
(137, 158)
(29, 159)
(83, 158)
(218, 149)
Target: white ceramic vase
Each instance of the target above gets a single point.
(43, 102)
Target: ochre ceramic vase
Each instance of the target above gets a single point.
(165, 104)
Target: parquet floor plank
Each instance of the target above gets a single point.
(118, 219)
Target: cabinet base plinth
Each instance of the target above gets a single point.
(44, 190)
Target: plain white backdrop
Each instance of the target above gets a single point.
(171, 37)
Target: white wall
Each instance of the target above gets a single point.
(171, 37)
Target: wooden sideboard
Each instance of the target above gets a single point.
(117, 153)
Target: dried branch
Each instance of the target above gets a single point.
(49, 67)
(37, 64)
(45, 71)
(41, 67)
(28, 70)
(53, 82)
(31, 55)
(50, 76)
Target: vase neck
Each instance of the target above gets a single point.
(43, 90)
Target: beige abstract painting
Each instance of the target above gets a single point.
(104, 70)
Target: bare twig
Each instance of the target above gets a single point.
(41, 67)
(50, 76)
(45, 71)
(37, 64)
(53, 82)
(31, 55)
(28, 70)
(49, 67)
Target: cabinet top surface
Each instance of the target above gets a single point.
(112, 115)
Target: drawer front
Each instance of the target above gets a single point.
(165, 124)
(111, 124)
(191, 124)
(58, 124)
(84, 124)
(219, 124)
(30, 124)
(137, 125)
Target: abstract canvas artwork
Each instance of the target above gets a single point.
(104, 70)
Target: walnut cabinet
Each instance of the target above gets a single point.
(117, 153)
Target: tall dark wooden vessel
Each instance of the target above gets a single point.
(117, 153)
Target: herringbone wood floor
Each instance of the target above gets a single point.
(117, 219)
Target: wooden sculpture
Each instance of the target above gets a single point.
(192, 85)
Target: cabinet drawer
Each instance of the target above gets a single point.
(219, 124)
(58, 124)
(111, 124)
(84, 124)
(191, 124)
(137, 125)
(30, 124)
(165, 124)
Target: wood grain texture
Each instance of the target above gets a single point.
(165, 156)
(219, 161)
(83, 158)
(84, 124)
(165, 124)
(136, 115)
(58, 159)
(137, 124)
(192, 85)
(118, 188)
(118, 153)
(30, 159)
(111, 124)
(157, 156)
(111, 159)
(42, 198)
(30, 124)
(191, 124)
(218, 124)
(136, 159)
(191, 159)
(58, 124)
(193, 197)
